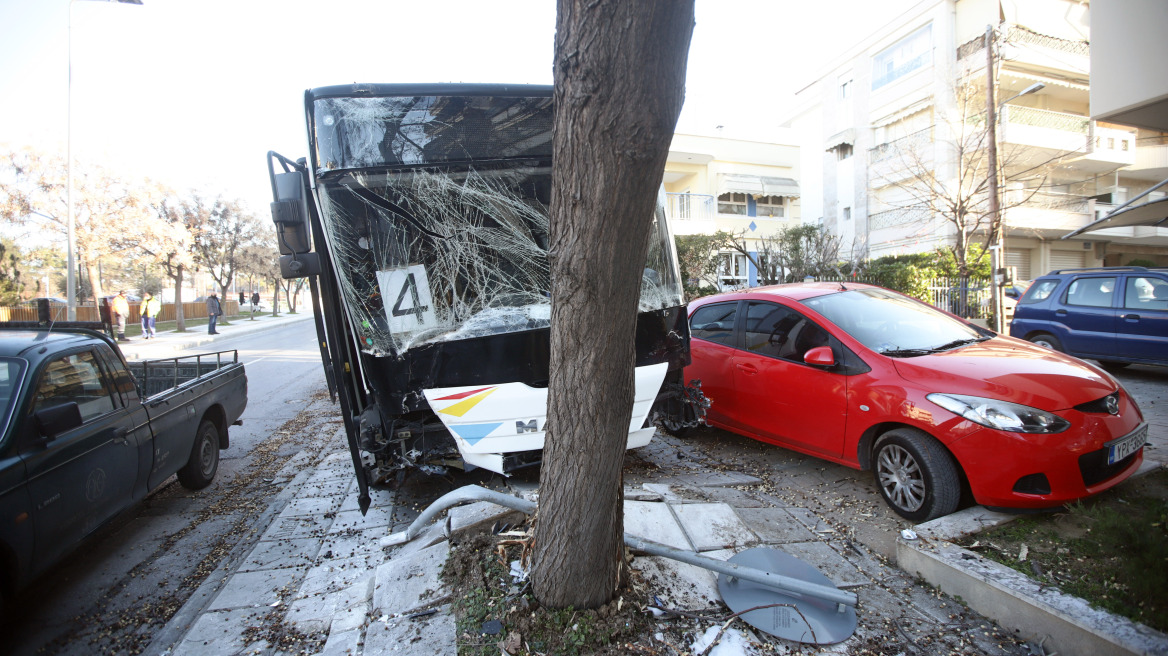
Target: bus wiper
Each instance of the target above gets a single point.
(373, 199)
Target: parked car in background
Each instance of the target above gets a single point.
(1116, 315)
(875, 380)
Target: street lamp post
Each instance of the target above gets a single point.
(70, 263)
(996, 242)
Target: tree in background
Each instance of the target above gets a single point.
(173, 244)
(697, 257)
(224, 230)
(791, 254)
(619, 70)
(111, 215)
(10, 282)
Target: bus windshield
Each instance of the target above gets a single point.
(436, 209)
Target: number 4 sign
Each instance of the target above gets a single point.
(406, 293)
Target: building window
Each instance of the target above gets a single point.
(732, 204)
(847, 214)
(846, 90)
(769, 206)
(911, 53)
(843, 151)
(733, 271)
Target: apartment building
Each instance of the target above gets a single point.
(898, 129)
(748, 188)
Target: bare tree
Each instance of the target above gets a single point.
(790, 254)
(942, 171)
(111, 215)
(221, 238)
(619, 70)
(173, 249)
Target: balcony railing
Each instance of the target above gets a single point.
(898, 217)
(1042, 118)
(917, 141)
(690, 207)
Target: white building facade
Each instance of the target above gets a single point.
(739, 186)
(896, 132)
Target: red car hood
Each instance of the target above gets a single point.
(1011, 370)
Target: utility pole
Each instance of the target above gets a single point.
(995, 236)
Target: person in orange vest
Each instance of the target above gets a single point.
(121, 309)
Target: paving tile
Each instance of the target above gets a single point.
(379, 497)
(827, 560)
(324, 487)
(324, 610)
(775, 525)
(433, 634)
(310, 506)
(254, 589)
(678, 585)
(291, 528)
(654, 521)
(342, 643)
(675, 493)
(640, 494)
(282, 554)
(219, 633)
(353, 520)
(710, 479)
(733, 496)
(404, 584)
(335, 575)
(354, 544)
(713, 526)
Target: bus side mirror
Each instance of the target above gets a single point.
(290, 214)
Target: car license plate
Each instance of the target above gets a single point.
(1125, 446)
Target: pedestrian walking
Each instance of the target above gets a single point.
(121, 310)
(242, 299)
(148, 311)
(214, 311)
(255, 300)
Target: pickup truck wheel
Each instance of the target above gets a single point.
(916, 475)
(204, 461)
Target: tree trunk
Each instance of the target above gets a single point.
(180, 319)
(619, 85)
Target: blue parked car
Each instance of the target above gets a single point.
(1116, 315)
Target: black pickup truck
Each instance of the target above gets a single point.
(85, 434)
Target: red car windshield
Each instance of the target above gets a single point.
(890, 323)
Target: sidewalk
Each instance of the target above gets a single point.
(166, 342)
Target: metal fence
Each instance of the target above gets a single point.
(965, 297)
(59, 312)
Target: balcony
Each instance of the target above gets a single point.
(1098, 148)
(1151, 159)
(691, 214)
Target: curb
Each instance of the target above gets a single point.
(1067, 624)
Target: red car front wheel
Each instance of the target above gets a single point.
(916, 475)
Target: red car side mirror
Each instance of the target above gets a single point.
(820, 356)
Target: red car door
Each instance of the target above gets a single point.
(712, 359)
(780, 399)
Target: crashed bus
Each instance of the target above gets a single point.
(420, 218)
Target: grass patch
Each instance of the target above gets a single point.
(1110, 550)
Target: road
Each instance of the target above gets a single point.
(123, 584)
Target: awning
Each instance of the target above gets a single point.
(1153, 213)
(838, 139)
(757, 185)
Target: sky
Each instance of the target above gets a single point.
(194, 93)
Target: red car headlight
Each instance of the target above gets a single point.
(1001, 415)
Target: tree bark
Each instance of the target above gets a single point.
(619, 86)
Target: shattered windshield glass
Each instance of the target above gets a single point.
(431, 252)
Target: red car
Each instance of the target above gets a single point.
(873, 379)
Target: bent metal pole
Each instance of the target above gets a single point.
(761, 577)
